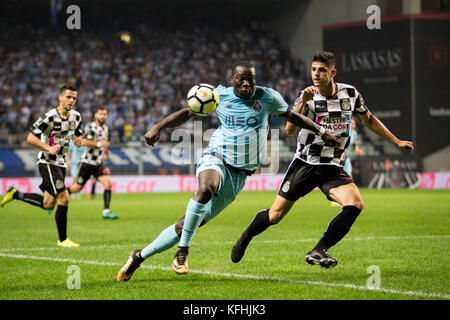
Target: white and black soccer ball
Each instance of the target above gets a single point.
(202, 99)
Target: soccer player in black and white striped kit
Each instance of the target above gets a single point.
(51, 134)
(92, 161)
(330, 105)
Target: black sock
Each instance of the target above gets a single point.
(338, 227)
(31, 198)
(93, 188)
(259, 223)
(61, 222)
(68, 190)
(107, 198)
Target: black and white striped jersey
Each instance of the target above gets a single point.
(96, 133)
(334, 114)
(53, 130)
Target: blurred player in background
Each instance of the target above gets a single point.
(73, 160)
(51, 134)
(92, 161)
(222, 171)
(352, 148)
(331, 105)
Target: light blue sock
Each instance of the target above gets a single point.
(195, 212)
(166, 240)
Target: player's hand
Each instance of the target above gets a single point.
(105, 144)
(152, 136)
(308, 93)
(54, 149)
(405, 145)
(330, 139)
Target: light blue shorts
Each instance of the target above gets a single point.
(231, 184)
(348, 166)
(74, 169)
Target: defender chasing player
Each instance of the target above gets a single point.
(233, 153)
(315, 164)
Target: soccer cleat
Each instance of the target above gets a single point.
(180, 261)
(133, 262)
(68, 243)
(109, 215)
(8, 196)
(321, 258)
(49, 211)
(238, 250)
(91, 196)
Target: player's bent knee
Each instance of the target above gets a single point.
(63, 200)
(48, 205)
(361, 205)
(358, 203)
(204, 193)
(275, 216)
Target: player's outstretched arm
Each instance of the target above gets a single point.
(171, 121)
(304, 122)
(375, 125)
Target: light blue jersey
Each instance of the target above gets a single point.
(348, 161)
(242, 134)
(75, 156)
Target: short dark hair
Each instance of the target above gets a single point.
(100, 108)
(325, 57)
(67, 87)
(241, 63)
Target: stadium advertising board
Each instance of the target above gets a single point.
(432, 49)
(153, 183)
(401, 171)
(378, 64)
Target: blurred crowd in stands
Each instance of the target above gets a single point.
(140, 79)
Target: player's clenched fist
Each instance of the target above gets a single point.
(406, 145)
(308, 93)
(54, 149)
(152, 136)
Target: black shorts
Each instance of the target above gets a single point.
(301, 178)
(52, 178)
(87, 170)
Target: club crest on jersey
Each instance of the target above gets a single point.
(257, 107)
(59, 184)
(345, 104)
(72, 125)
(286, 186)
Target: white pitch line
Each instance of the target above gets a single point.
(89, 247)
(244, 276)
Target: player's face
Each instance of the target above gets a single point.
(244, 81)
(101, 116)
(321, 74)
(67, 99)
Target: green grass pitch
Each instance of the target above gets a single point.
(405, 234)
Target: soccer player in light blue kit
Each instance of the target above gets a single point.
(352, 147)
(232, 155)
(73, 156)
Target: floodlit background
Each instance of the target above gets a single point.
(139, 59)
